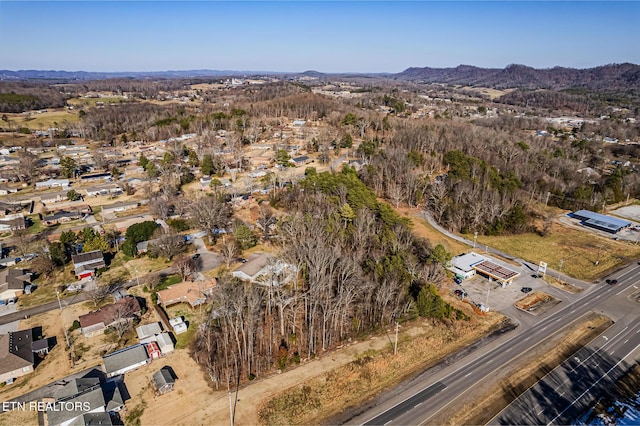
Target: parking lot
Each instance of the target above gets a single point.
(491, 293)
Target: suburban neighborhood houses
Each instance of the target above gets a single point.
(289, 248)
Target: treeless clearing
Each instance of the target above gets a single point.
(44, 120)
(552, 281)
(495, 394)
(579, 250)
(18, 417)
(422, 229)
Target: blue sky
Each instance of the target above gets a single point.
(327, 36)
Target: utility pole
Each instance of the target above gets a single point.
(64, 329)
(475, 237)
(488, 291)
(395, 347)
(560, 271)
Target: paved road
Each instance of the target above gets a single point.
(50, 306)
(568, 390)
(445, 388)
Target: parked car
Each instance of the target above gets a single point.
(526, 289)
(457, 280)
(195, 256)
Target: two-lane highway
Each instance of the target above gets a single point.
(424, 401)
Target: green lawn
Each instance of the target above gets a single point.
(167, 281)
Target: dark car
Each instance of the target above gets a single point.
(460, 293)
(195, 256)
(613, 282)
(457, 280)
(526, 289)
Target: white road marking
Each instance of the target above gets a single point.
(509, 350)
(541, 411)
(605, 337)
(621, 291)
(467, 375)
(626, 341)
(418, 404)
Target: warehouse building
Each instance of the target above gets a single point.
(601, 222)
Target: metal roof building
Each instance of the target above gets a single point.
(600, 221)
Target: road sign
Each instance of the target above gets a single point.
(542, 267)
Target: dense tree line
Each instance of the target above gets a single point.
(21, 97)
(359, 268)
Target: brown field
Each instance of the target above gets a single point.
(422, 229)
(535, 303)
(18, 417)
(495, 394)
(585, 255)
(45, 120)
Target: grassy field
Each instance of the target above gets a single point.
(584, 254)
(45, 120)
(91, 102)
(422, 229)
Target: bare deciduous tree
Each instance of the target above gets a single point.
(211, 213)
(185, 266)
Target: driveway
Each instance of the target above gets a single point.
(207, 260)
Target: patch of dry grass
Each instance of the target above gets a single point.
(585, 255)
(421, 345)
(421, 228)
(45, 120)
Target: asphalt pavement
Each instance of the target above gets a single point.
(461, 376)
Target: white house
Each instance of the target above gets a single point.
(53, 183)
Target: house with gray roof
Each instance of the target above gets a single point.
(12, 283)
(86, 264)
(17, 354)
(124, 360)
(86, 400)
(265, 269)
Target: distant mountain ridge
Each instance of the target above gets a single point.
(612, 76)
(625, 76)
(91, 75)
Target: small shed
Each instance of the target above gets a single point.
(164, 380)
(164, 343)
(180, 328)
